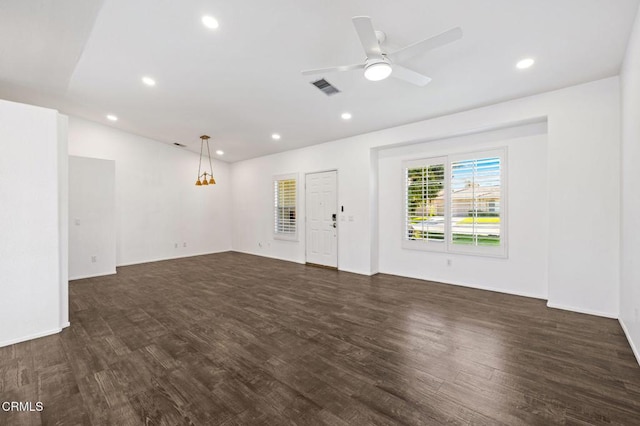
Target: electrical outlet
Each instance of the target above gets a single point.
(175, 245)
(449, 262)
(184, 244)
(94, 259)
(77, 222)
(260, 245)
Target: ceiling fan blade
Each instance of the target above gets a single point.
(333, 69)
(426, 45)
(367, 36)
(409, 76)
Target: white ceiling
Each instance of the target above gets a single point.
(242, 82)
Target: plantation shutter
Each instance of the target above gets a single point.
(476, 198)
(424, 200)
(285, 215)
(456, 203)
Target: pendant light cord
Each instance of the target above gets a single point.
(209, 154)
(200, 163)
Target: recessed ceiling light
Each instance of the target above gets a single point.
(275, 137)
(525, 63)
(148, 81)
(210, 22)
(112, 117)
(220, 152)
(346, 116)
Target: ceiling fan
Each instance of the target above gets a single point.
(380, 64)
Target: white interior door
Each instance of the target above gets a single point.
(321, 225)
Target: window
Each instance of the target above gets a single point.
(424, 208)
(456, 203)
(285, 207)
(475, 201)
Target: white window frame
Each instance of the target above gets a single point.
(431, 245)
(492, 251)
(287, 236)
(447, 246)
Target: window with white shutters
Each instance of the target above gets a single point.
(424, 212)
(285, 207)
(456, 203)
(476, 191)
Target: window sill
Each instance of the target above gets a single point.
(283, 237)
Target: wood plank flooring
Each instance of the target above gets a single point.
(233, 339)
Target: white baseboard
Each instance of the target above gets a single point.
(30, 337)
(266, 255)
(82, 277)
(161, 259)
(497, 290)
(353, 271)
(65, 325)
(300, 262)
(582, 310)
(636, 353)
(474, 286)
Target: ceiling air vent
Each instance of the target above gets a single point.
(325, 87)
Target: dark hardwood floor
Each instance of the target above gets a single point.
(233, 339)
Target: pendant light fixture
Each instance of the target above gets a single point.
(205, 180)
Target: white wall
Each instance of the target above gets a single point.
(630, 229)
(63, 216)
(584, 199)
(92, 217)
(524, 271)
(252, 195)
(583, 252)
(30, 290)
(158, 206)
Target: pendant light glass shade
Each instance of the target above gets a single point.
(207, 177)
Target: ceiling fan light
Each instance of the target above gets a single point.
(377, 71)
